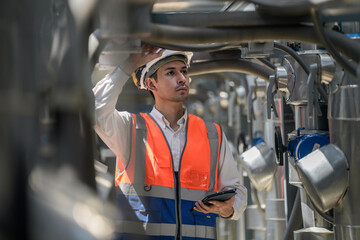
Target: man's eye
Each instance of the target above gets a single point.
(171, 73)
(184, 72)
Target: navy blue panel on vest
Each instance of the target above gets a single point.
(196, 218)
(146, 209)
(124, 236)
(197, 238)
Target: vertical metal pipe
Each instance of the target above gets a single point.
(300, 116)
(295, 218)
(275, 204)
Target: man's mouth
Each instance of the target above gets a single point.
(181, 88)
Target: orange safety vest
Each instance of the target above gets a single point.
(149, 175)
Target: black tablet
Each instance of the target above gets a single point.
(219, 196)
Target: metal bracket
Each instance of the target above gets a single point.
(250, 107)
(312, 93)
(270, 97)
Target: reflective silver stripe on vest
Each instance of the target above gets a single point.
(150, 229)
(214, 149)
(129, 155)
(164, 229)
(163, 192)
(140, 155)
(193, 195)
(198, 231)
(156, 191)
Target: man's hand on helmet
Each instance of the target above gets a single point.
(136, 60)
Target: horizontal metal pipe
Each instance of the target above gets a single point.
(191, 35)
(282, 5)
(193, 47)
(288, 8)
(242, 66)
(220, 19)
(168, 34)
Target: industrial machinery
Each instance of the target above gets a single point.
(281, 77)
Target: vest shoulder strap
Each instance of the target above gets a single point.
(140, 122)
(214, 137)
(140, 155)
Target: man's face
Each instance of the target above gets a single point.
(172, 82)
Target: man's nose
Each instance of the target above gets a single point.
(181, 78)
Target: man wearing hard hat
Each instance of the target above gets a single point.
(167, 160)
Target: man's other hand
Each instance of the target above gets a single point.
(224, 209)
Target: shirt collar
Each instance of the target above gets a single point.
(163, 122)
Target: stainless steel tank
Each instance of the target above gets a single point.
(344, 120)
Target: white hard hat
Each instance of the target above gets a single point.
(151, 67)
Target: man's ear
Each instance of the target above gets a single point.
(149, 83)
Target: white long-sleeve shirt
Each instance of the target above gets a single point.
(114, 128)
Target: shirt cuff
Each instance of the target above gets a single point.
(230, 216)
(118, 76)
(240, 203)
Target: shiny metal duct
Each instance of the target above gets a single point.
(242, 66)
(344, 119)
(324, 176)
(259, 163)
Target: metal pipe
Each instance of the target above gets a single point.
(345, 45)
(345, 63)
(194, 48)
(223, 19)
(189, 35)
(326, 216)
(267, 63)
(281, 5)
(292, 53)
(169, 34)
(295, 220)
(242, 66)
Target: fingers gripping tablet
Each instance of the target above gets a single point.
(219, 196)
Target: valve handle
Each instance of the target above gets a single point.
(280, 149)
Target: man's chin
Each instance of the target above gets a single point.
(182, 97)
